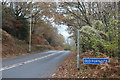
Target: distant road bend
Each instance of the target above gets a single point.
(41, 65)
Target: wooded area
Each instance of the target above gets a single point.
(98, 23)
(17, 18)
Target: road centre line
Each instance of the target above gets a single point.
(25, 62)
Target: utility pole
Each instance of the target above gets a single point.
(78, 49)
(30, 29)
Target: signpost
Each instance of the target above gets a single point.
(95, 60)
(30, 32)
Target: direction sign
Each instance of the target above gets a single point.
(95, 60)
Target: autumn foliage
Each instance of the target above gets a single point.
(107, 70)
(15, 25)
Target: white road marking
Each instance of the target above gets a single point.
(25, 62)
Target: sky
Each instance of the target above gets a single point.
(62, 29)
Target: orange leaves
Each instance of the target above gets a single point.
(108, 70)
(19, 25)
(59, 17)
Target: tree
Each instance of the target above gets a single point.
(14, 24)
(41, 17)
(97, 22)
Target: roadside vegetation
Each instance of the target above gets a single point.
(98, 23)
(68, 68)
(99, 38)
(16, 20)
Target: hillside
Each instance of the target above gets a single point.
(16, 30)
(12, 47)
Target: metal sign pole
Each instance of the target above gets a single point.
(30, 32)
(78, 49)
(30, 37)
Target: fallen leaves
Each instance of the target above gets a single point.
(107, 70)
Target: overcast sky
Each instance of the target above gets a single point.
(62, 29)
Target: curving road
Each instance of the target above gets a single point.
(41, 65)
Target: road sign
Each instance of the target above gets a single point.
(95, 60)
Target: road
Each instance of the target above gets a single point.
(40, 65)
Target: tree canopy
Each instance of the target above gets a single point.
(97, 22)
